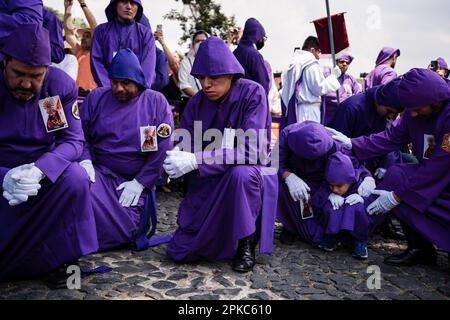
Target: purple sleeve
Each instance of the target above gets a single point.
(255, 118)
(16, 12)
(68, 142)
(98, 62)
(161, 72)
(153, 169)
(375, 145)
(388, 75)
(148, 59)
(3, 172)
(431, 178)
(54, 27)
(283, 154)
(356, 88)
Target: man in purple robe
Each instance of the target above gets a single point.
(304, 151)
(417, 194)
(230, 200)
(122, 31)
(247, 53)
(127, 129)
(384, 68)
(349, 87)
(46, 217)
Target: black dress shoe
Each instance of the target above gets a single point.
(411, 257)
(244, 259)
(287, 237)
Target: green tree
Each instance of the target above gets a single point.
(201, 15)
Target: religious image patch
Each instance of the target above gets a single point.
(164, 130)
(76, 111)
(446, 142)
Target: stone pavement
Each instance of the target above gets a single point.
(291, 272)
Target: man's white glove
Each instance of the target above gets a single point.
(20, 183)
(336, 200)
(131, 193)
(354, 199)
(379, 173)
(178, 163)
(88, 166)
(366, 187)
(336, 71)
(385, 202)
(342, 138)
(298, 188)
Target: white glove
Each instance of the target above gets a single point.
(354, 199)
(131, 193)
(342, 138)
(87, 165)
(385, 202)
(366, 187)
(178, 163)
(336, 71)
(21, 182)
(336, 200)
(298, 188)
(379, 173)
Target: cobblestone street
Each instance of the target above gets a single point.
(291, 272)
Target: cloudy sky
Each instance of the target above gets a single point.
(420, 29)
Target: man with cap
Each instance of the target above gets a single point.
(230, 200)
(118, 121)
(122, 31)
(417, 194)
(13, 13)
(384, 68)
(349, 87)
(304, 151)
(304, 85)
(440, 67)
(46, 217)
(248, 55)
(82, 50)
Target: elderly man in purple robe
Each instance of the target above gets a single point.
(122, 31)
(247, 53)
(341, 210)
(304, 149)
(440, 66)
(304, 85)
(117, 122)
(384, 68)
(46, 217)
(417, 194)
(230, 200)
(349, 87)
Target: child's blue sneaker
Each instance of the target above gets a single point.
(328, 244)
(360, 250)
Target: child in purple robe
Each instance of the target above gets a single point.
(341, 210)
